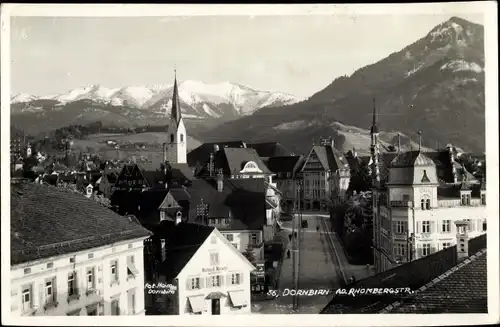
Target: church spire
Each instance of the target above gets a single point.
(176, 105)
(375, 149)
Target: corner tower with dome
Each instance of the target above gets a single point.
(417, 198)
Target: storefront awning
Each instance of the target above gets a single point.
(131, 267)
(238, 298)
(197, 303)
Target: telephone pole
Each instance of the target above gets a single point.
(296, 263)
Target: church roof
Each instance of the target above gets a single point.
(176, 104)
(411, 159)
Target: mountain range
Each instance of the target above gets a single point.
(435, 85)
(141, 105)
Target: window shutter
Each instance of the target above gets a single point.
(221, 280)
(473, 225)
(419, 229)
(202, 282)
(208, 282)
(228, 279)
(241, 277)
(188, 284)
(433, 226)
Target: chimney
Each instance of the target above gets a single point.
(462, 240)
(220, 181)
(163, 250)
(178, 218)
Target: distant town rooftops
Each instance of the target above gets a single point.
(48, 221)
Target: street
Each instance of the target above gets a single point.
(318, 275)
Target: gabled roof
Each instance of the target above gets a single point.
(48, 221)
(182, 242)
(330, 158)
(232, 161)
(410, 159)
(462, 289)
(181, 171)
(269, 149)
(201, 154)
(169, 203)
(414, 275)
(243, 200)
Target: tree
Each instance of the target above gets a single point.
(249, 254)
(360, 180)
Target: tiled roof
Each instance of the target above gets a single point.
(288, 164)
(232, 161)
(181, 172)
(269, 149)
(182, 242)
(411, 159)
(201, 154)
(462, 289)
(330, 158)
(414, 275)
(451, 191)
(48, 221)
(243, 200)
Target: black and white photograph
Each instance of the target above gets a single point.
(250, 161)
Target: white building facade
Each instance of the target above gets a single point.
(215, 281)
(107, 280)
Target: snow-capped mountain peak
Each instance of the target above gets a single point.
(198, 99)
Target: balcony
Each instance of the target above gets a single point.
(402, 204)
(50, 305)
(73, 297)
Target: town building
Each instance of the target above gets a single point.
(287, 170)
(326, 175)
(209, 276)
(417, 198)
(83, 259)
(452, 280)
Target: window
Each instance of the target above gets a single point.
(463, 201)
(115, 308)
(49, 291)
(171, 138)
(215, 281)
(426, 226)
(27, 271)
(214, 258)
(130, 266)
(182, 137)
(72, 286)
(162, 215)
(114, 271)
(428, 204)
(422, 204)
(253, 239)
(484, 226)
(400, 249)
(50, 265)
(426, 249)
(446, 245)
(229, 237)
(235, 279)
(26, 298)
(90, 279)
(483, 199)
(194, 284)
(446, 227)
(400, 227)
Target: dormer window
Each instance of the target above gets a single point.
(465, 198)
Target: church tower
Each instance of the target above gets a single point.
(175, 147)
(375, 149)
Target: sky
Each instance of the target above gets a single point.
(299, 55)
